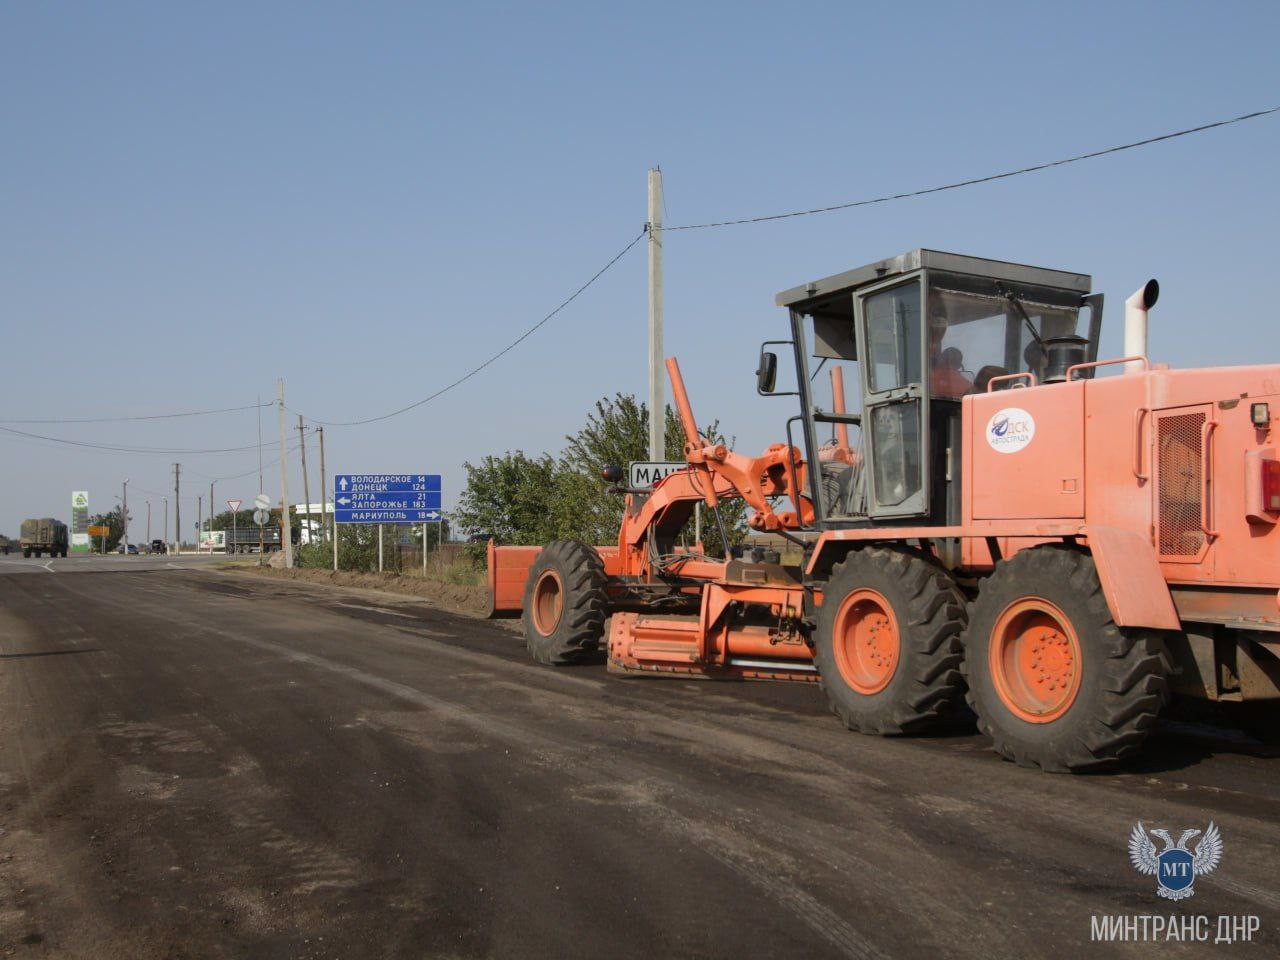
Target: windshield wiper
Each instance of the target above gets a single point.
(1017, 305)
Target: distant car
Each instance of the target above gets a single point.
(159, 546)
(132, 549)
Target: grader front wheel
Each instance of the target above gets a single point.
(888, 641)
(1055, 683)
(564, 603)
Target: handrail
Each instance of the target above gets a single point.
(1206, 478)
(1028, 375)
(1138, 414)
(1146, 364)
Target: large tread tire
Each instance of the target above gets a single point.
(1123, 680)
(926, 684)
(575, 571)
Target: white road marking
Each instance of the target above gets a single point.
(28, 565)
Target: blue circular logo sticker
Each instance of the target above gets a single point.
(1010, 429)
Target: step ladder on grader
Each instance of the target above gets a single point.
(1006, 519)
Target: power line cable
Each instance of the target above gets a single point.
(153, 416)
(783, 216)
(505, 350)
(117, 448)
(270, 463)
(977, 180)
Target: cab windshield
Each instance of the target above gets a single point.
(976, 336)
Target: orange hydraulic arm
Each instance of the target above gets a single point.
(745, 610)
(779, 471)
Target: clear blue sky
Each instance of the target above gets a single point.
(368, 199)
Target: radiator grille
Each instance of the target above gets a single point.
(1180, 491)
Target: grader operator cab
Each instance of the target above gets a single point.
(992, 522)
(934, 328)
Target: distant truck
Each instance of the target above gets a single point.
(245, 539)
(46, 535)
(5, 545)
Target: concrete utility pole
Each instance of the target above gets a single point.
(657, 364)
(324, 493)
(199, 518)
(211, 508)
(286, 539)
(306, 481)
(177, 508)
(166, 522)
(148, 522)
(124, 515)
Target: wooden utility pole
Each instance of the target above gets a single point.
(286, 539)
(306, 481)
(657, 365)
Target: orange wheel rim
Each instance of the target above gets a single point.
(866, 641)
(548, 602)
(1035, 660)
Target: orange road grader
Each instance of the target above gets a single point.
(1004, 519)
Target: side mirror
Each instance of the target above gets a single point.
(767, 372)
(612, 474)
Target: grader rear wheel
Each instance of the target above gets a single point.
(1055, 683)
(888, 641)
(564, 603)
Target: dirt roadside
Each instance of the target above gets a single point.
(466, 599)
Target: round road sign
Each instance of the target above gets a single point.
(260, 517)
(262, 502)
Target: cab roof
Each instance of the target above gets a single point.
(913, 260)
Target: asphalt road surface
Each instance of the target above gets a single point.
(201, 764)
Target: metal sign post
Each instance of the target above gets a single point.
(381, 498)
(235, 507)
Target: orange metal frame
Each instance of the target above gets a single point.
(1096, 473)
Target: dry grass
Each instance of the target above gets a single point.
(458, 587)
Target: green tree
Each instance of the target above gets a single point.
(114, 523)
(617, 432)
(532, 500)
(510, 497)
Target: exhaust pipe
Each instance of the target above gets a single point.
(1135, 322)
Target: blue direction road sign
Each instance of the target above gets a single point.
(386, 498)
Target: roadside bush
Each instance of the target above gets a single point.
(357, 551)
